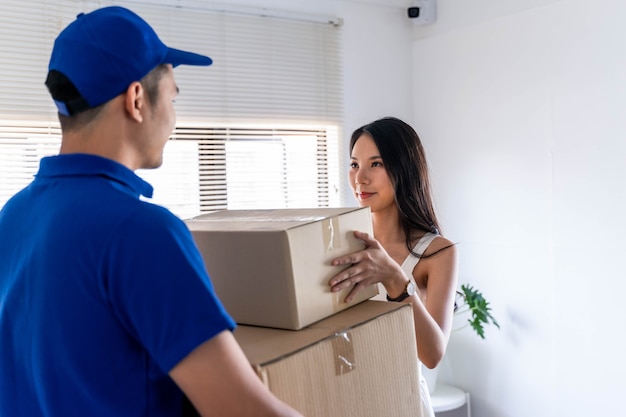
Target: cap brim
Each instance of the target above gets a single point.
(177, 57)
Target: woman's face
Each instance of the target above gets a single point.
(368, 177)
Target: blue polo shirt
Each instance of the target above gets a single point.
(101, 295)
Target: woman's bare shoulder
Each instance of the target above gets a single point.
(440, 245)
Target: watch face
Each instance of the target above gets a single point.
(410, 288)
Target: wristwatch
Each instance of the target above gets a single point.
(409, 290)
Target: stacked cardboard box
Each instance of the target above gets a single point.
(271, 267)
(271, 270)
(361, 362)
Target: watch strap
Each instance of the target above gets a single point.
(405, 294)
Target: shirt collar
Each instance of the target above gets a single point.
(84, 165)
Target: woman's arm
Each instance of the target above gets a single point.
(433, 316)
(433, 319)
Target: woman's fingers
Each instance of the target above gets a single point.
(367, 239)
(355, 289)
(344, 279)
(352, 278)
(361, 267)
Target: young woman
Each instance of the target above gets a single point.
(407, 253)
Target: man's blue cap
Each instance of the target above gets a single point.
(104, 51)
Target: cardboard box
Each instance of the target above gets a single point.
(361, 362)
(271, 267)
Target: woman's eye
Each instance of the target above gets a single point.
(354, 165)
(377, 164)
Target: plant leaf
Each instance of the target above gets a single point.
(479, 309)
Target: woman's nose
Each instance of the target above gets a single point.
(360, 177)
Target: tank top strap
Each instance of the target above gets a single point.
(420, 247)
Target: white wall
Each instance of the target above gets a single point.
(521, 108)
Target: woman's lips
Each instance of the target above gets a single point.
(364, 195)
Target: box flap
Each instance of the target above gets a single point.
(263, 346)
(264, 220)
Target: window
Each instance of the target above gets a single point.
(245, 168)
(207, 169)
(259, 128)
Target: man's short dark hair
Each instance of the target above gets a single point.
(63, 90)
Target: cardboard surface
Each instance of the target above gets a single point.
(361, 362)
(271, 267)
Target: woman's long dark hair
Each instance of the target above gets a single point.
(405, 161)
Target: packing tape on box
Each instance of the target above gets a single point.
(332, 240)
(331, 233)
(343, 353)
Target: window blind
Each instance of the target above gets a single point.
(26, 38)
(265, 70)
(21, 148)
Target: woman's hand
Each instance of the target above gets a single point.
(366, 267)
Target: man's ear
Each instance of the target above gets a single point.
(135, 101)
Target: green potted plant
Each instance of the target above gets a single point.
(473, 302)
(469, 301)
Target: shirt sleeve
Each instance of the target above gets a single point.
(159, 287)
